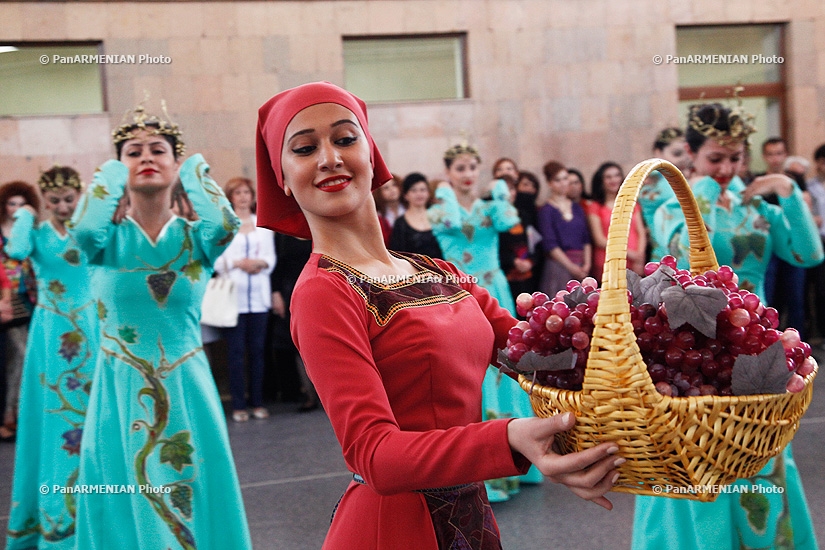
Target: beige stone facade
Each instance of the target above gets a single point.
(570, 80)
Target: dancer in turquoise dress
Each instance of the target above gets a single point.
(744, 230)
(467, 227)
(155, 437)
(57, 370)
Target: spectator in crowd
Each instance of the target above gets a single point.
(248, 261)
(604, 189)
(565, 235)
(14, 333)
(292, 253)
(784, 282)
(815, 280)
(412, 231)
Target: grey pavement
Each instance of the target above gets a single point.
(292, 474)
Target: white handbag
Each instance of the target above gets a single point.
(220, 303)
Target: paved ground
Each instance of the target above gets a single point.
(292, 474)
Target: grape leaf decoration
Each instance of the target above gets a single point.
(177, 451)
(578, 296)
(757, 508)
(72, 256)
(70, 344)
(127, 334)
(697, 306)
(182, 500)
(56, 287)
(193, 270)
(160, 284)
(763, 373)
(648, 290)
(532, 362)
(752, 243)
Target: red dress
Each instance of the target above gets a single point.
(398, 368)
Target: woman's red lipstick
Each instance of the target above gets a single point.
(334, 184)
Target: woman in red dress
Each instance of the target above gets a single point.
(396, 344)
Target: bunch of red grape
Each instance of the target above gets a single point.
(681, 360)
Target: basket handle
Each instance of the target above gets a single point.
(613, 345)
(702, 258)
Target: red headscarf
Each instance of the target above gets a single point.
(277, 211)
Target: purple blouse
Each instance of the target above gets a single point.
(558, 232)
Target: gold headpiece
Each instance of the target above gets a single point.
(740, 122)
(669, 135)
(58, 177)
(149, 123)
(461, 149)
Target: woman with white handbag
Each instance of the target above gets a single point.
(247, 261)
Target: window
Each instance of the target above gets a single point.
(748, 55)
(405, 68)
(45, 79)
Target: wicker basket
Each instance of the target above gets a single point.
(685, 442)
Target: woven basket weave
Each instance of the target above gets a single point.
(683, 442)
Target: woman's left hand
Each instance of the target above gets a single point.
(589, 474)
(780, 184)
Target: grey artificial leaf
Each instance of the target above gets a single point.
(651, 287)
(504, 362)
(763, 373)
(696, 305)
(531, 361)
(633, 281)
(578, 296)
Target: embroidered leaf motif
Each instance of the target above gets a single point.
(757, 508)
(56, 287)
(182, 500)
(193, 270)
(72, 438)
(531, 362)
(177, 451)
(160, 284)
(127, 334)
(648, 290)
(703, 204)
(70, 344)
(99, 192)
(752, 243)
(72, 256)
(763, 373)
(697, 306)
(468, 230)
(762, 224)
(101, 310)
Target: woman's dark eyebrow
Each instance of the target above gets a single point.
(311, 130)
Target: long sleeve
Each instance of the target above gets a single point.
(218, 223)
(547, 228)
(445, 215)
(92, 224)
(799, 244)
(503, 214)
(330, 326)
(21, 241)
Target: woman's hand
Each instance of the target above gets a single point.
(278, 304)
(522, 265)
(29, 208)
(589, 474)
(122, 208)
(250, 265)
(780, 184)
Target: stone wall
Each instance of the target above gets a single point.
(571, 80)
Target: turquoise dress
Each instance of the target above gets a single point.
(469, 240)
(155, 445)
(57, 376)
(652, 195)
(744, 239)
